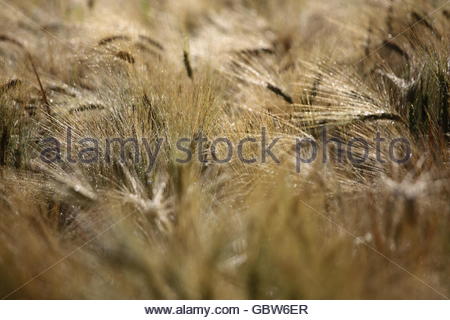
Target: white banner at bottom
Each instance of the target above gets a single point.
(216, 310)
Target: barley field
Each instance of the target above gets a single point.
(369, 218)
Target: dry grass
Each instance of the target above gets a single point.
(174, 69)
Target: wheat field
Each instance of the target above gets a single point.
(207, 229)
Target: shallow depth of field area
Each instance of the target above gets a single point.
(171, 69)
